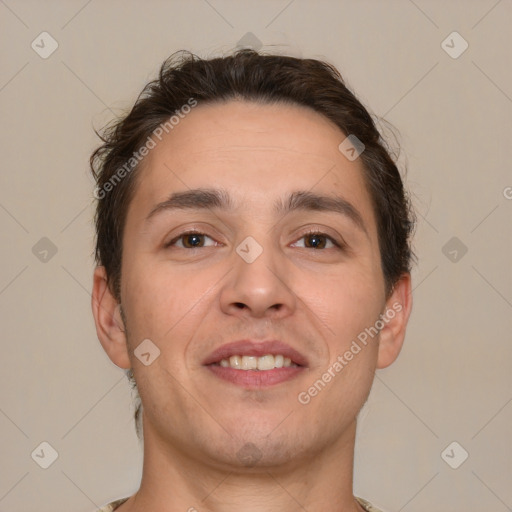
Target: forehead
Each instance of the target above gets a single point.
(257, 151)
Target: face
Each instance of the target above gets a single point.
(277, 257)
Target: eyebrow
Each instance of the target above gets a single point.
(206, 199)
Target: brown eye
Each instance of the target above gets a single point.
(190, 240)
(318, 241)
(193, 240)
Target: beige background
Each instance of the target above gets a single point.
(452, 381)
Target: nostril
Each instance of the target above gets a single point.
(240, 305)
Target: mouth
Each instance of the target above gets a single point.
(256, 364)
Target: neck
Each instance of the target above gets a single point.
(175, 482)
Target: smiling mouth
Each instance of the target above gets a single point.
(256, 372)
(256, 364)
(263, 363)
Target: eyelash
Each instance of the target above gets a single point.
(337, 244)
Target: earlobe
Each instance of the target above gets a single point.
(109, 323)
(395, 318)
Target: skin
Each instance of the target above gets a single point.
(302, 290)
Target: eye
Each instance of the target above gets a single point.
(190, 240)
(317, 240)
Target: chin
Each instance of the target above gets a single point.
(265, 447)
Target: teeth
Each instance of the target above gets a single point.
(249, 363)
(234, 361)
(267, 362)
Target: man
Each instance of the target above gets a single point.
(253, 273)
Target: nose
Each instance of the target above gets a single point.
(258, 288)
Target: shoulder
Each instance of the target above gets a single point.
(112, 506)
(367, 505)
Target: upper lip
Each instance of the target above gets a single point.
(255, 348)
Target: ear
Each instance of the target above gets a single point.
(107, 317)
(395, 318)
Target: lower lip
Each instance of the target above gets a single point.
(255, 378)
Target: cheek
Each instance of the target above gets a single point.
(164, 306)
(346, 302)
(164, 303)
